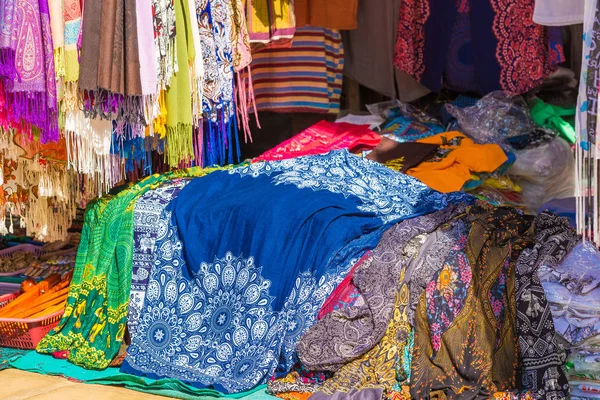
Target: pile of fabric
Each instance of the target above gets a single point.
(381, 288)
(499, 148)
(573, 295)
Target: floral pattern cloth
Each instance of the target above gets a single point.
(430, 260)
(468, 362)
(447, 292)
(511, 52)
(227, 301)
(163, 12)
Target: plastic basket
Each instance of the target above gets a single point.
(27, 248)
(25, 333)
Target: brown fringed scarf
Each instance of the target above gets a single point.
(110, 80)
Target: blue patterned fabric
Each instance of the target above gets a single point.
(251, 254)
(146, 218)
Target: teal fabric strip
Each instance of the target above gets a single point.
(31, 361)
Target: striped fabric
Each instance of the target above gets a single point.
(306, 77)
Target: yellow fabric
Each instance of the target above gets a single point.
(331, 14)
(502, 183)
(377, 367)
(258, 12)
(160, 122)
(450, 172)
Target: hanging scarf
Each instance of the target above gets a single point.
(211, 95)
(221, 28)
(72, 17)
(32, 96)
(242, 52)
(179, 100)
(8, 39)
(148, 59)
(270, 20)
(90, 45)
(95, 318)
(257, 14)
(164, 40)
(57, 24)
(282, 19)
(220, 127)
(197, 73)
(115, 91)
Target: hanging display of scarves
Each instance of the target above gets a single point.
(132, 87)
(110, 81)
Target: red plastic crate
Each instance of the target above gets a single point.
(25, 333)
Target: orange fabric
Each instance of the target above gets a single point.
(294, 396)
(52, 150)
(330, 14)
(449, 173)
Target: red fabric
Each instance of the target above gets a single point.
(321, 138)
(62, 355)
(345, 293)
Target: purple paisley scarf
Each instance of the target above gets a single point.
(8, 40)
(27, 65)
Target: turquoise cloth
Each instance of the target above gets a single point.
(31, 361)
(7, 355)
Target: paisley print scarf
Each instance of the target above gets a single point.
(30, 87)
(220, 125)
(8, 39)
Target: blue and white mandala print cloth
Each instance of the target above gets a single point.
(146, 218)
(250, 256)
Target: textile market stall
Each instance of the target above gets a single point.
(439, 243)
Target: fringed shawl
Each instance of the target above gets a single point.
(8, 39)
(179, 100)
(31, 85)
(112, 86)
